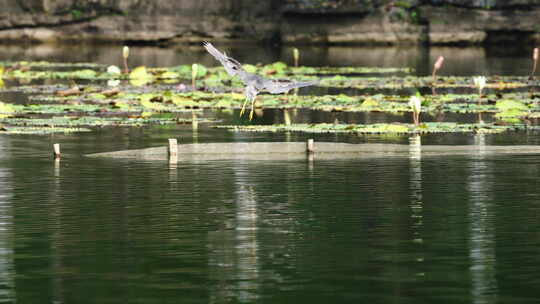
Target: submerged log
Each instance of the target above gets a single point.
(297, 150)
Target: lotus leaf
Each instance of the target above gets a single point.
(381, 128)
(510, 104)
(140, 73)
(201, 70)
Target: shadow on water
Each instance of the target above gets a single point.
(303, 116)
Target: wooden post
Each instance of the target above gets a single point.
(173, 151)
(310, 146)
(173, 147)
(56, 151)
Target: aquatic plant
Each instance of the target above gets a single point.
(40, 130)
(416, 106)
(114, 70)
(99, 121)
(511, 110)
(379, 128)
(436, 67)
(479, 83)
(194, 70)
(125, 55)
(6, 109)
(139, 76)
(95, 99)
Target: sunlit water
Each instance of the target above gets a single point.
(411, 229)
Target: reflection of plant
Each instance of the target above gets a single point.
(535, 61)
(296, 56)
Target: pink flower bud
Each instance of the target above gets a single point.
(438, 63)
(535, 54)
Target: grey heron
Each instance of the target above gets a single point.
(254, 83)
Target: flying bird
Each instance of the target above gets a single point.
(254, 83)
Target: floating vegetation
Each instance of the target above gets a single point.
(171, 101)
(511, 110)
(40, 130)
(381, 128)
(50, 65)
(95, 121)
(338, 77)
(140, 96)
(6, 109)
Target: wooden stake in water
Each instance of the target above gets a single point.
(56, 151)
(310, 148)
(173, 147)
(173, 151)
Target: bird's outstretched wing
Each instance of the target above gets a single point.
(276, 86)
(233, 67)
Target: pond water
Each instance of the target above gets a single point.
(412, 229)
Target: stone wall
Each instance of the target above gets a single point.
(138, 20)
(290, 21)
(436, 22)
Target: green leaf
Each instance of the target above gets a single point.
(510, 104)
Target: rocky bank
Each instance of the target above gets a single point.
(437, 22)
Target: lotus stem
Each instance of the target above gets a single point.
(286, 117)
(296, 56)
(194, 70)
(416, 106)
(437, 66)
(479, 83)
(125, 55)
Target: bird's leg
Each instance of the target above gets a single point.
(243, 107)
(250, 93)
(252, 108)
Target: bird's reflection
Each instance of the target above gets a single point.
(233, 253)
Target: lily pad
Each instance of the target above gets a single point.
(382, 128)
(40, 130)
